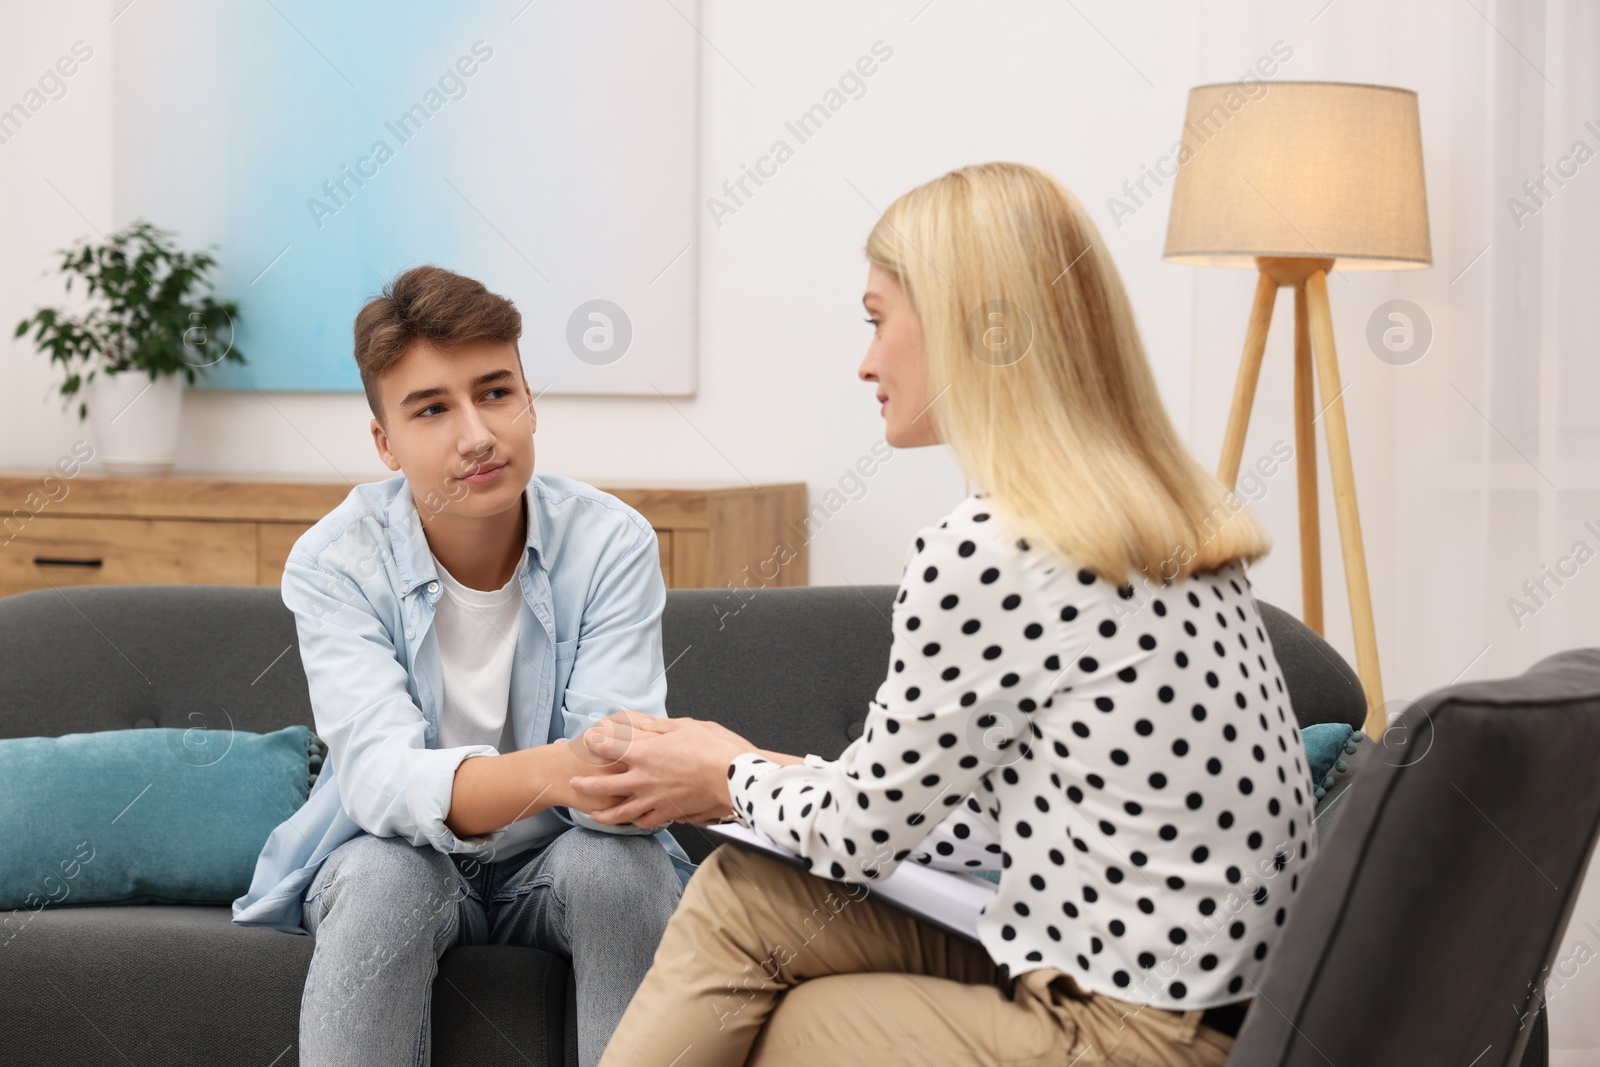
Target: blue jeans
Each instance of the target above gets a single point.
(383, 911)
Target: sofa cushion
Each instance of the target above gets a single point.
(113, 657)
(1322, 686)
(170, 984)
(139, 816)
(1327, 743)
(184, 987)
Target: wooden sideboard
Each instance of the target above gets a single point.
(88, 529)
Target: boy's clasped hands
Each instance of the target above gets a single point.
(654, 771)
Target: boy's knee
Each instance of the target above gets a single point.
(390, 880)
(398, 861)
(598, 867)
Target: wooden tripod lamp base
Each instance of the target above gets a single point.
(1344, 162)
(1313, 342)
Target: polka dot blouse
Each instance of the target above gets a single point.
(1128, 760)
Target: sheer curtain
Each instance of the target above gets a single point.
(1498, 434)
(1498, 485)
(1477, 456)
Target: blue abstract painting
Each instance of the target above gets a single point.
(547, 149)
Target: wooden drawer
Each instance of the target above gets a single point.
(220, 528)
(59, 551)
(273, 542)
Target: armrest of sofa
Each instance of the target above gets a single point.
(1322, 686)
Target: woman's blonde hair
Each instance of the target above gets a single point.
(1038, 381)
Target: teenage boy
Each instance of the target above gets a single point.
(459, 625)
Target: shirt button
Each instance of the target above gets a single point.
(433, 587)
(410, 632)
(405, 588)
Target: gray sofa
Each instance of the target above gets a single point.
(792, 669)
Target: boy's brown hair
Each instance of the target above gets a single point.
(432, 304)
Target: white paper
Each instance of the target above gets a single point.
(947, 899)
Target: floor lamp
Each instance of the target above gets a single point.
(1289, 179)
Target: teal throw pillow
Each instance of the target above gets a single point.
(1325, 742)
(143, 816)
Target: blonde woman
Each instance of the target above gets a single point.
(1080, 694)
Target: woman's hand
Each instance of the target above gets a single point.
(621, 724)
(674, 770)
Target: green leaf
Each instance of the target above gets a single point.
(144, 293)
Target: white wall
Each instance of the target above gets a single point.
(1095, 97)
(780, 279)
(1092, 91)
(55, 184)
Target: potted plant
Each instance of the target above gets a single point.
(151, 319)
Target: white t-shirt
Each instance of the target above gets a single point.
(477, 632)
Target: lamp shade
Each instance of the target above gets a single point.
(1320, 169)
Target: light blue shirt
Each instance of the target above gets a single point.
(362, 585)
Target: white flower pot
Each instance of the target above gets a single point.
(135, 421)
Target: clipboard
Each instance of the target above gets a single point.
(949, 900)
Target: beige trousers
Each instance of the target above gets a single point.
(764, 964)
